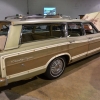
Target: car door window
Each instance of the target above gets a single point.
(89, 29)
(58, 30)
(36, 32)
(74, 29)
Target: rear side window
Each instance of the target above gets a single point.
(4, 27)
(58, 30)
(41, 28)
(37, 32)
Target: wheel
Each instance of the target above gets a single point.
(55, 68)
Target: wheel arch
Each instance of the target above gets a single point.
(66, 55)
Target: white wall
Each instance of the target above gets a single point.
(88, 6)
(72, 8)
(12, 7)
(62, 6)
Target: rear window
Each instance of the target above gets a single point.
(4, 27)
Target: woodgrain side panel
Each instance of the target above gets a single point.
(94, 44)
(78, 48)
(35, 59)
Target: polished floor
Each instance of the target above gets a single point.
(80, 81)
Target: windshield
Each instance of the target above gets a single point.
(4, 27)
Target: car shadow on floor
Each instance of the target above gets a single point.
(25, 86)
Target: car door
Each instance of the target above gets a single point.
(78, 47)
(93, 36)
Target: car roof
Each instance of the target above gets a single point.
(42, 20)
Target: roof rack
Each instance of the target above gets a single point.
(17, 16)
(66, 17)
(20, 16)
(23, 17)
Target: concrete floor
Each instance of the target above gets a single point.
(80, 81)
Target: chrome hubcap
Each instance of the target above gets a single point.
(57, 67)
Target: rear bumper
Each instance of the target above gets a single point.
(3, 82)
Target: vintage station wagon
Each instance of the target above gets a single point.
(32, 46)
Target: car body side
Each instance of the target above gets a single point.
(21, 61)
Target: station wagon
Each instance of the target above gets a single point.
(33, 46)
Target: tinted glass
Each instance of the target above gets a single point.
(89, 29)
(74, 29)
(41, 32)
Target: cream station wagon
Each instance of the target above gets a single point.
(32, 46)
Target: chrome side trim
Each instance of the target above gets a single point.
(94, 50)
(80, 55)
(85, 53)
(74, 57)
